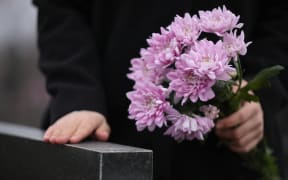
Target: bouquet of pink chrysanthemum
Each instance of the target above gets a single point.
(184, 82)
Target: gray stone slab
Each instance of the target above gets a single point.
(23, 155)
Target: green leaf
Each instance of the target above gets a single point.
(249, 97)
(223, 91)
(262, 78)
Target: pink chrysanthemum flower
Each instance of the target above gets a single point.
(208, 59)
(141, 72)
(234, 44)
(210, 111)
(218, 21)
(178, 65)
(187, 85)
(186, 127)
(148, 106)
(186, 29)
(164, 48)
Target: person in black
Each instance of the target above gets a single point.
(85, 51)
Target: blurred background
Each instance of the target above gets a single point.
(22, 90)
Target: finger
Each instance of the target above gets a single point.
(247, 139)
(56, 133)
(68, 129)
(249, 146)
(65, 127)
(244, 129)
(234, 120)
(103, 132)
(48, 133)
(83, 131)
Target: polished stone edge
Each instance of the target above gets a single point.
(32, 133)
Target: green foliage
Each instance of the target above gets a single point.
(262, 160)
(224, 94)
(223, 89)
(262, 78)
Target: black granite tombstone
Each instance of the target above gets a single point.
(23, 155)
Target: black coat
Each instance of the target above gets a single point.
(85, 51)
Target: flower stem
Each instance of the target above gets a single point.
(238, 66)
(261, 160)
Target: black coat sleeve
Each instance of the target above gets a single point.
(68, 57)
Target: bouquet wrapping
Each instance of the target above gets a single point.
(184, 81)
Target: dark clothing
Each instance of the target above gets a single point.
(85, 51)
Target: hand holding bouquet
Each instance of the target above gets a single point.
(184, 81)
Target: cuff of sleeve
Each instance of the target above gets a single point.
(76, 99)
